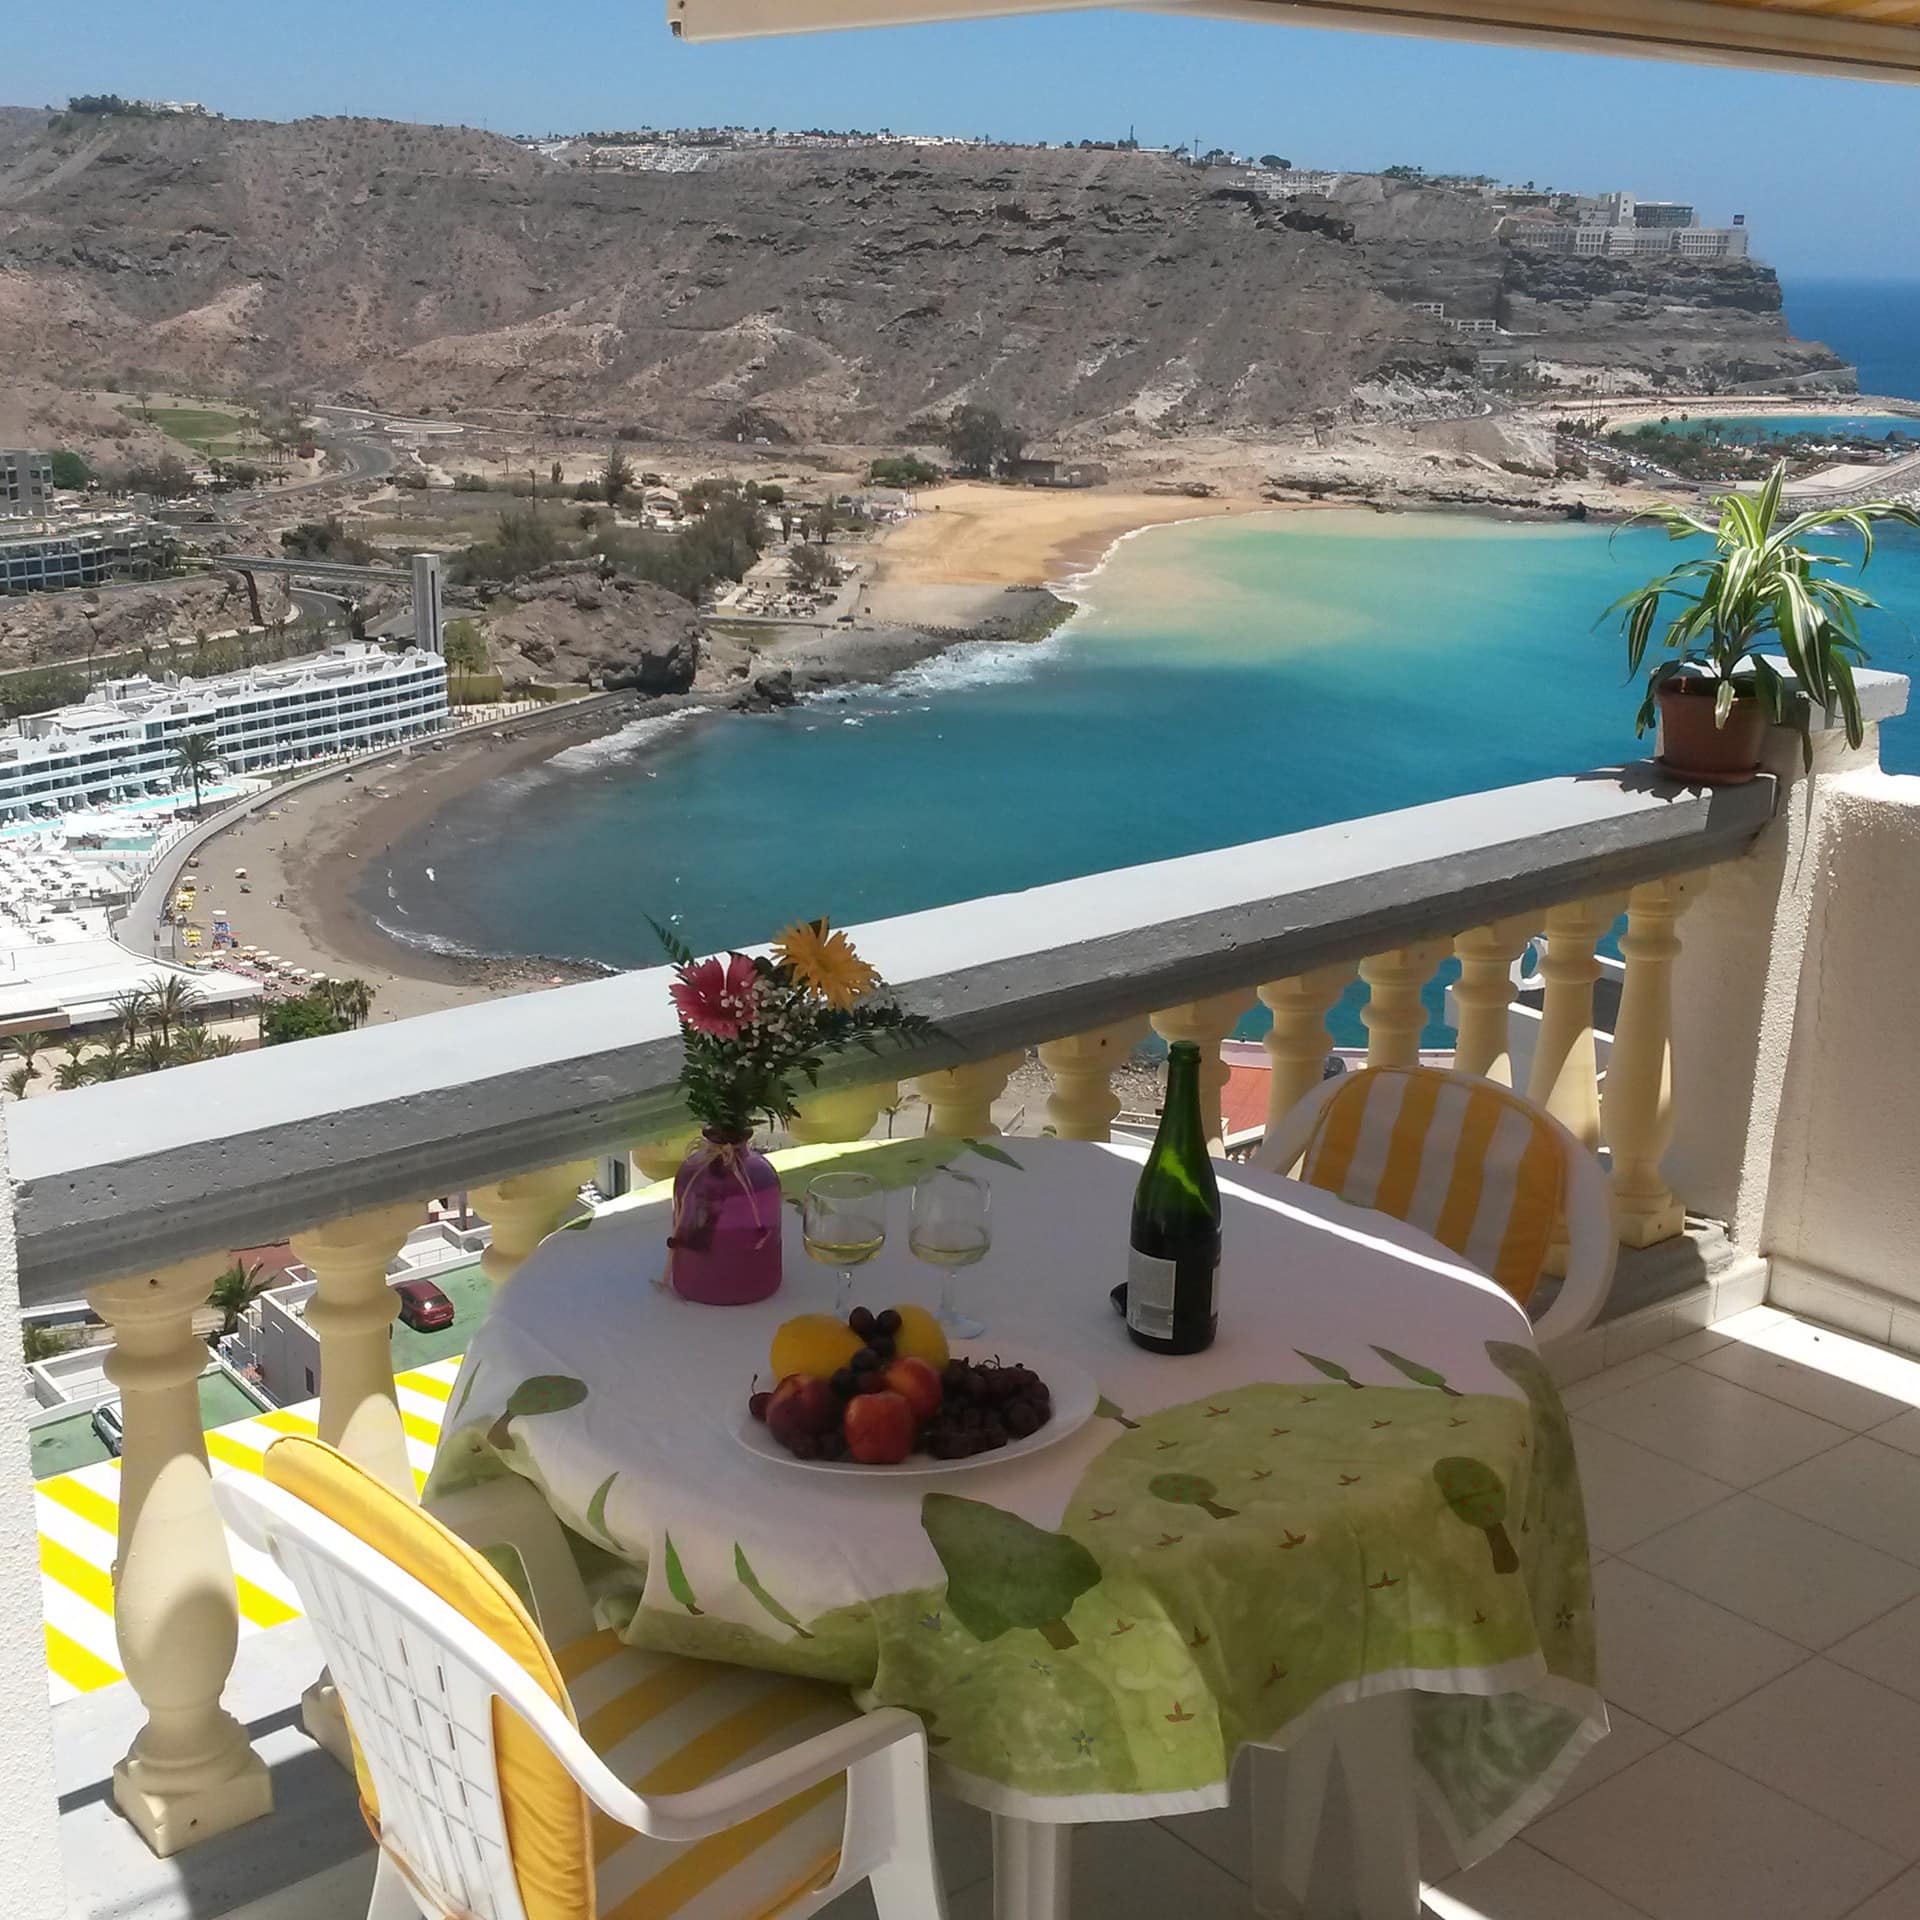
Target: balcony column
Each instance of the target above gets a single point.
(523, 1209)
(1082, 1104)
(190, 1773)
(1206, 1023)
(960, 1099)
(660, 1159)
(1638, 1108)
(1484, 994)
(1395, 1016)
(843, 1113)
(1298, 1042)
(352, 1313)
(1565, 1078)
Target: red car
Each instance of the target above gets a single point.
(423, 1306)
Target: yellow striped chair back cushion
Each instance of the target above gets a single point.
(665, 1724)
(1463, 1160)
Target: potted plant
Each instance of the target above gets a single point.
(754, 1026)
(1716, 694)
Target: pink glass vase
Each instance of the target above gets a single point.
(725, 1244)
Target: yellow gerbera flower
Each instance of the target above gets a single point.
(826, 962)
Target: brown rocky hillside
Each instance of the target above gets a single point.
(818, 294)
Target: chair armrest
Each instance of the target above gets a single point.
(1280, 1151)
(1593, 1245)
(510, 1512)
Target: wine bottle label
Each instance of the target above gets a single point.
(1150, 1295)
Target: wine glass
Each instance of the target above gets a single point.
(844, 1224)
(952, 1228)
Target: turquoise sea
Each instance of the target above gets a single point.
(1226, 681)
(1775, 426)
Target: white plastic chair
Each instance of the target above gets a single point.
(1586, 1196)
(403, 1658)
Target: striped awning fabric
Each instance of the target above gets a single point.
(1862, 39)
(79, 1517)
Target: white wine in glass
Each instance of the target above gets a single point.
(843, 1224)
(952, 1227)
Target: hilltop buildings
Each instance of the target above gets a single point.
(1618, 226)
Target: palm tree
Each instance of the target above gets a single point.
(113, 1062)
(233, 1292)
(171, 1004)
(189, 1045)
(220, 1045)
(27, 1047)
(71, 1073)
(194, 755)
(41, 1343)
(150, 1056)
(130, 1010)
(350, 1000)
(18, 1081)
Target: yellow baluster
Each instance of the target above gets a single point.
(1298, 1042)
(660, 1159)
(1082, 1104)
(845, 1113)
(961, 1098)
(523, 1209)
(1206, 1023)
(1638, 1108)
(1395, 1015)
(190, 1773)
(1484, 994)
(1565, 1078)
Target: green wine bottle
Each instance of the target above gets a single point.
(1173, 1269)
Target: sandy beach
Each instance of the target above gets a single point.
(970, 534)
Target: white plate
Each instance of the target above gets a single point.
(1074, 1398)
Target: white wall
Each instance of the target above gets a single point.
(29, 1839)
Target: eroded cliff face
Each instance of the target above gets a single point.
(806, 295)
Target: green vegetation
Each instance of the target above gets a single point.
(233, 1293)
(41, 1343)
(616, 477)
(1758, 584)
(111, 104)
(327, 539)
(69, 470)
(902, 470)
(466, 651)
(813, 570)
(207, 430)
(195, 756)
(980, 442)
(167, 478)
(334, 1006)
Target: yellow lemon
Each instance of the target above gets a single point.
(921, 1335)
(817, 1344)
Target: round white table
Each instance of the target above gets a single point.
(1364, 1488)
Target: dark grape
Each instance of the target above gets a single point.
(757, 1404)
(881, 1345)
(832, 1446)
(861, 1320)
(844, 1382)
(865, 1360)
(803, 1446)
(888, 1322)
(1021, 1419)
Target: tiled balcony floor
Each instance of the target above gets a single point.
(1754, 1498)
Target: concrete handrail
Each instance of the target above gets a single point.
(129, 1176)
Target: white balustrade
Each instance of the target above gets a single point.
(1083, 1104)
(1206, 1023)
(960, 1099)
(1395, 1015)
(1484, 995)
(1299, 1041)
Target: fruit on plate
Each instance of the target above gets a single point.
(802, 1408)
(917, 1384)
(880, 1428)
(819, 1344)
(922, 1336)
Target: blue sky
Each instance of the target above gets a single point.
(1823, 169)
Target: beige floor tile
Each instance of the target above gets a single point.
(1775, 1568)
(1900, 1901)
(1903, 1433)
(1672, 1658)
(1867, 1491)
(1695, 1346)
(1887, 1650)
(1682, 1837)
(1713, 1426)
(1629, 1739)
(1631, 1493)
(1786, 1372)
(1629, 1373)
(1133, 1870)
(1840, 1744)
(1518, 1883)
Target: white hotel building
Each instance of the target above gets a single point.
(120, 745)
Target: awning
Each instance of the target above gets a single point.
(1858, 39)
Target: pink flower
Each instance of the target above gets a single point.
(717, 997)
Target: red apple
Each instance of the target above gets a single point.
(801, 1405)
(879, 1429)
(917, 1384)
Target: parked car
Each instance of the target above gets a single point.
(423, 1306)
(106, 1426)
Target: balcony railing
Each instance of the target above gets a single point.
(132, 1193)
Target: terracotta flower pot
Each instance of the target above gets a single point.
(1692, 748)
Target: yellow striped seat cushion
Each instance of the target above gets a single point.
(1463, 1160)
(665, 1724)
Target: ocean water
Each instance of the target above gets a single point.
(1873, 323)
(1764, 426)
(1226, 681)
